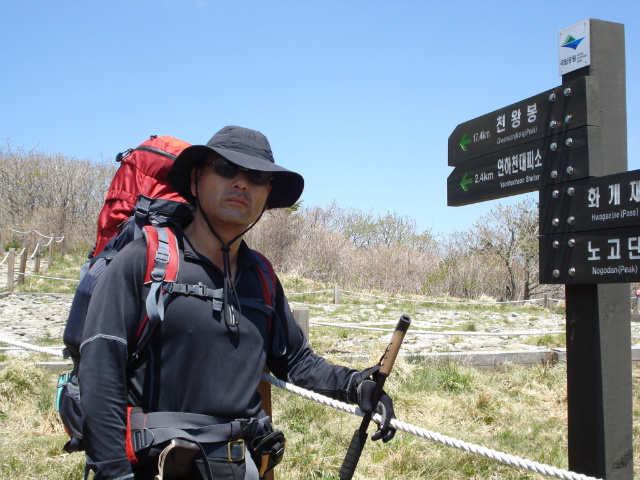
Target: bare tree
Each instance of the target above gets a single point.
(52, 193)
(358, 227)
(510, 234)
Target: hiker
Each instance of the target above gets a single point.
(208, 354)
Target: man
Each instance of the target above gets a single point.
(207, 356)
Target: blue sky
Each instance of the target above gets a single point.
(359, 97)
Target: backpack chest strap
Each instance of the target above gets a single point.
(216, 296)
(199, 290)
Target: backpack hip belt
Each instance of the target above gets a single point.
(146, 429)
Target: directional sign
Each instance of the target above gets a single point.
(521, 169)
(599, 256)
(548, 113)
(596, 203)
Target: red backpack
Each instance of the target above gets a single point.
(143, 171)
(139, 203)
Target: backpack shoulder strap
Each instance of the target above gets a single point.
(268, 280)
(163, 263)
(162, 254)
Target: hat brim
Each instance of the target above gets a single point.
(286, 187)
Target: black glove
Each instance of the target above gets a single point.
(362, 393)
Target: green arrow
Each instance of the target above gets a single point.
(464, 141)
(465, 181)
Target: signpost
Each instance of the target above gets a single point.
(598, 256)
(523, 168)
(548, 113)
(570, 143)
(595, 203)
(589, 230)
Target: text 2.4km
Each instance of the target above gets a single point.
(483, 177)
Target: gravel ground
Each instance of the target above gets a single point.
(29, 317)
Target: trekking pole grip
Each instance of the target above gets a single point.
(390, 354)
(386, 364)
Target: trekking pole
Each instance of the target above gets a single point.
(386, 364)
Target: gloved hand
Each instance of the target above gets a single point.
(362, 394)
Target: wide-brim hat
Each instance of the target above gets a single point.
(249, 149)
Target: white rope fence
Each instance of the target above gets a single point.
(18, 231)
(444, 333)
(308, 293)
(434, 437)
(436, 302)
(57, 240)
(531, 300)
(54, 352)
(52, 278)
(35, 250)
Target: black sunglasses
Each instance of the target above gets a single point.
(227, 169)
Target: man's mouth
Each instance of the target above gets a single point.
(237, 200)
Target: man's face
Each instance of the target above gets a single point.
(232, 202)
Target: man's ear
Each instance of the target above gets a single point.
(194, 179)
(266, 203)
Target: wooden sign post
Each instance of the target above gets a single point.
(571, 143)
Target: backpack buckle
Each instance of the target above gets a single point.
(143, 207)
(162, 257)
(198, 290)
(235, 450)
(141, 439)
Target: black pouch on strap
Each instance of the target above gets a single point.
(177, 459)
(268, 450)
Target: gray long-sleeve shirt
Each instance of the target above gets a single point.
(192, 363)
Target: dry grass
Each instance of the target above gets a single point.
(32, 435)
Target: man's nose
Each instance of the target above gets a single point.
(240, 180)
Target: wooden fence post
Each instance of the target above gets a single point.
(11, 266)
(52, 243)
(301, 315)
(336, 294)
(36, 263)
(23, 266)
